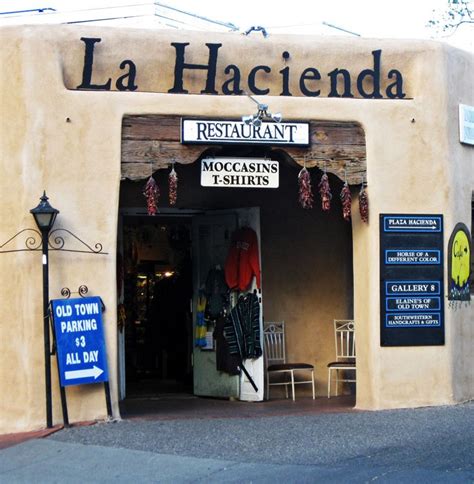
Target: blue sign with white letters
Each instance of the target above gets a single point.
(80, 340)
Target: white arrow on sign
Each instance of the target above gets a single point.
(73, 375)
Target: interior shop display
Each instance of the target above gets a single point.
(152, 194)
(325, 192)
(305, 191)
(346, 200)
(243, 260)
(364, 204)
(173, 186)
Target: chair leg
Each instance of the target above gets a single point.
(337, 381)
(268, 386)
(329, 382)
(293, 384)
(312, 381)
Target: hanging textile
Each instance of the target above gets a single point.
(242, 328)
(243, 260)
(216, 292)
(225, 361)
(201, 325)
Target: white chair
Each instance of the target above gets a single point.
(275, 359)
(345, 352)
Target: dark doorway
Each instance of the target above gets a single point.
(157, 301)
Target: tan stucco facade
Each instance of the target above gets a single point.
(68, 141)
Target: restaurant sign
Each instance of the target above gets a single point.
(205, 131)
(239, 173)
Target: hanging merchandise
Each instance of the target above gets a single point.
(152, 194)
(201, 326)
(325, 191)
(173, 186)
(363, 204)
(242, 261)
(346, 200)
(216, 292)
(305, 190)
(242, 328)
(225, 361)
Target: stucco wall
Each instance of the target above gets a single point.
(461, 176)
(412, 156)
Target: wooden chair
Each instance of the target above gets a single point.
(275, 359)
(345, 352)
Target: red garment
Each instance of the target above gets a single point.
(242, 261)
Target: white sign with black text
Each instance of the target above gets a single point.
(240, 173)
(204, 131)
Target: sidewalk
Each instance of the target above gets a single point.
(401, 446)
(170, 407)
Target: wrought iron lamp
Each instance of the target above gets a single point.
(45, 216)
(43, 240)
(261, 114)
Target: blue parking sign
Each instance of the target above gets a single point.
(80, 340)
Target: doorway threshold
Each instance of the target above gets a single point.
(185, 406)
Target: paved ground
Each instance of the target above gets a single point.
(424, 445)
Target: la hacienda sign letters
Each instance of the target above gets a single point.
(376, 81)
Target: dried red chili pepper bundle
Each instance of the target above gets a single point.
(152, 194)
(325, 192)
(305, 191)
(173, 186)
(363, 204)
(346, 200)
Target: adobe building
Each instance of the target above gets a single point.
(89, 114)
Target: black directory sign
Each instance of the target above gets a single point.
(411, 280)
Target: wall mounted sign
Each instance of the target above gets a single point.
(466, 124)
(80, 340)
(180, 75)
(459, 264)
(411, 280)
(239, 173)
(209, 132)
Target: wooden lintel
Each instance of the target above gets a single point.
(151, 143)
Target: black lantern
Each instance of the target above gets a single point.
(44, 214)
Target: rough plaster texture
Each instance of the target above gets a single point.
(414, 160)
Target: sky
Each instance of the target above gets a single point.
(368, 18)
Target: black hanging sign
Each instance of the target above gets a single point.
(411, 280)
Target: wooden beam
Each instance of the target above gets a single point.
(152, 142)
